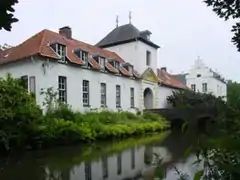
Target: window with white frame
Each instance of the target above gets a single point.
(101, 62)
(62, 88)
(85, 92)
(32, 84)
(118, 96)
(83, 55)
(130, 69)
(117, 64)
(132, 97)
(103, 95)
(204, 87)
(148, 58)
(193, 87)
(60, 49)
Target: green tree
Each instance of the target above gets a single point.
(6, 14)
(233, 94)
(228, 9)
(18, 113)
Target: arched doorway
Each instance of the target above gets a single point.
(148, 98)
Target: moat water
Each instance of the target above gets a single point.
(129, 159)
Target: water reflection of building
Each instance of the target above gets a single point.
(124, 165)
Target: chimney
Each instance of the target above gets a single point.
(66, 31)
(164, 69)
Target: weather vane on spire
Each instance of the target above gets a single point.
(130, 17)
(117, 21)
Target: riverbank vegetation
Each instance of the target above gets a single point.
(23, 125)
(220, 154)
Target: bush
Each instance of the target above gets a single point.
(191, 99)
(18, 113)
(63, 111)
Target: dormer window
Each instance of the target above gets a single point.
(117, 64)
(101, 61)
(148, 36)
(83, 55)
(130, 69)
(60, 49)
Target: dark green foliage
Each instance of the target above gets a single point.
(18, 112)
(6, 16)
(233, 94)
(221, 155)
(191, 99)
(62, 112)
(228, 9)
(91, 126)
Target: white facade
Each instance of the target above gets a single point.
(163, 93)
(135, 53)
(47, 76)
(202, 79)
(83, 88)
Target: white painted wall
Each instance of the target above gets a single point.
(25, 67)
(135, 53)
(214, 86)
(75, 75)
(164, 92)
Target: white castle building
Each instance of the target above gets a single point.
(201, 78)
(119, 72)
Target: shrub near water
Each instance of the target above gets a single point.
(95, 125)
(22, 124)
(18, 113)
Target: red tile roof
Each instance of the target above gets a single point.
(168, 80)
(39, 44)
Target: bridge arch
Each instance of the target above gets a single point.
(148, 98)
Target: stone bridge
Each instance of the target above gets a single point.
(177, 116)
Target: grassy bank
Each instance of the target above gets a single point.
(57, 129)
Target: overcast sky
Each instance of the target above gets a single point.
(184, 29)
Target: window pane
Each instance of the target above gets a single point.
(132, 97)
(148, 58)
(85, 93)
(25, 82)
(118, 96)
(103, 94)
(62, 88)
